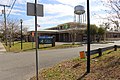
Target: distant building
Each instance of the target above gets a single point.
(114, 35)
(69, 31)
(64, 32)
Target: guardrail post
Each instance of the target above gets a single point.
(38, 43)
(100, 52)
(53, 41)
(115, 47)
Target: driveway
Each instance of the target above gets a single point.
(21, 66)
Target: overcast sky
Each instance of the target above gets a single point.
(55, 12)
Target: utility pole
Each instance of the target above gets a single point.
(4, 12)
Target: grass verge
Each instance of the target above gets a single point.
(31, 46)
(105, 67)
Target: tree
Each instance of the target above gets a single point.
(74, 29)
(101, 32)
(93, 31)
(106, 26)
(1, 36)
(13, 29)
(113, 12)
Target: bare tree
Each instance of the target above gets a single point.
(13, 29)
(106, 26)
(12, 26)
(74, 30)
(113, 11)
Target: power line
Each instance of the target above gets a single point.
(10, 3)
(11, 8)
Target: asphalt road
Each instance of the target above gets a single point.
(21, 66)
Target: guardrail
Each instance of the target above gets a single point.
(101, 50)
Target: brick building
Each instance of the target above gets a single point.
(69, 31)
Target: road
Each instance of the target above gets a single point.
(21, 66)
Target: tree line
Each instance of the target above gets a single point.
(97, 33)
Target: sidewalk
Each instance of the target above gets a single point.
(2, 47)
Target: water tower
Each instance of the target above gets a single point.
(79, 10)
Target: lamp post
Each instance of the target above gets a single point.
(21, 21)
(88, 37)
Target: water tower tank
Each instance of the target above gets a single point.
(79, 10)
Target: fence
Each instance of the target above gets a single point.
(101, 50)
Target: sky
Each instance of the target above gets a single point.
(55, 12)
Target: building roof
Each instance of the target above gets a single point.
(113, 31)
(46, 31)
(70, 24)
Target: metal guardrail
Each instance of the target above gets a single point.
(101, 50)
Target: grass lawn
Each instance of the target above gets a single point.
(106, 67)
(31, 46)
(17, 47)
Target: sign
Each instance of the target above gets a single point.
(31, 9)
(34, 9)
(32, 34)
(45, 40)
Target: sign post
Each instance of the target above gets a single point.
(36, 34)
(35, 10)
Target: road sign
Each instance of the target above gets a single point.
(31, 9)
(34, 9)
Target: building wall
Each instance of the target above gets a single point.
(66, 37)
(112, 36)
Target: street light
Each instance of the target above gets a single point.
(21, 21)
(88, 37)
